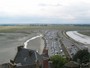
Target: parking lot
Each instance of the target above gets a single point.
(53, 44)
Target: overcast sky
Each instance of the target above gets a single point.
(45, 11)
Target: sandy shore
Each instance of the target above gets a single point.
(84, 39)
(79, 37)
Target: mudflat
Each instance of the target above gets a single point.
(9, 43)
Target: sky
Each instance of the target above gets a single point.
(45, 11)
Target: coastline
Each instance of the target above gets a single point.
(79, 37)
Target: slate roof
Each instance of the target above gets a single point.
(27, 57)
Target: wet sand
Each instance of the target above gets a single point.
(79, 37)
(9, 43)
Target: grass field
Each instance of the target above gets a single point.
(27, 28)
(85, 32)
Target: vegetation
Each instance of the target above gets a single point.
(15, 28)
(58, 61)
(83, 56)
(85, 33)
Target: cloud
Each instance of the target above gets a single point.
(66, 10)
(53, 5)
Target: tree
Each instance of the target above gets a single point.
(82, 55)
(58, 61)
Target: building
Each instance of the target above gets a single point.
(26, 58)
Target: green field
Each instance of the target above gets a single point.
(27, 28)
(85, 32)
